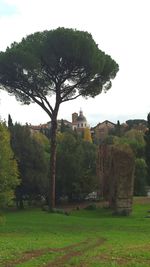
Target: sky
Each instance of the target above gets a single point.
(119, 27)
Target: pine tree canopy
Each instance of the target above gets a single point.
(64, 62)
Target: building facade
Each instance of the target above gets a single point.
(101, 130)
(79, 122)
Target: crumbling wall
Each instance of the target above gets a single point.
(123, 169)
(116, 174)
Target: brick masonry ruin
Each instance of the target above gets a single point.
(115, 170)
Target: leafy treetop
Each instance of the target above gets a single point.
(64, 62)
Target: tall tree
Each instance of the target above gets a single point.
(63, 62)
(10, 122)
(118, 129)
(87, 135)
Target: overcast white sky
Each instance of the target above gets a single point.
(121, 28)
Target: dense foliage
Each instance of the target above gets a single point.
(76, 164)
(140, 181)
(87, 135)
(9, 176)
(31, 154)
(76, 167)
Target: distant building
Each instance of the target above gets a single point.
(79, 122)
(59, 123)
(43, 128)
(46, 128)
(101, 130)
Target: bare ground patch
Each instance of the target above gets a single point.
(88, 244)
(77, 249)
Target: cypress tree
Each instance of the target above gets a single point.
(10, 122)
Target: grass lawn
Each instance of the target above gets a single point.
(83, 239)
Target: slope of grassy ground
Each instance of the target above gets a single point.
(85, 238)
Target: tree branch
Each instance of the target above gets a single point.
(34, 98)
(68, 99)
(71, 88)
(49, 72)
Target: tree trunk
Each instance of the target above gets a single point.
(52, 165)
(19, 197)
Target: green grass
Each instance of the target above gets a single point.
(85, 238)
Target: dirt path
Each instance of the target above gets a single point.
(88, 244)
(71, 251)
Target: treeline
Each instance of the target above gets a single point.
(30, 154)
(25, 163)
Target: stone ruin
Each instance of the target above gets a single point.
(115, 169)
